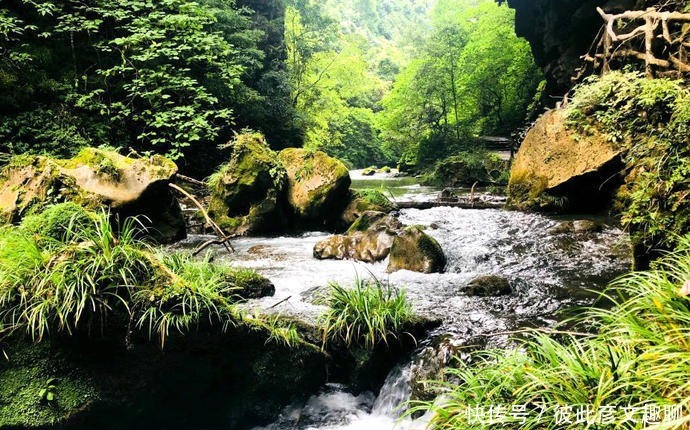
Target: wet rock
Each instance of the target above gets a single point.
(369, 172)
(252, 285)
(489, 286)
(95, 178)
(447, 195)
(586, 226)
(247, 192)
(555, 169)
(317, 185)
(415, 250)
(429, 366)
(576, 227)
(369, 239)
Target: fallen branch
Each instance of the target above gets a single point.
(280, 302)
(225, 240)
(191, 180)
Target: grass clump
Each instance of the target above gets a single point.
(67, 271)
(634, 357)
(367, 315)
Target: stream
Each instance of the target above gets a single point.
(549, 272)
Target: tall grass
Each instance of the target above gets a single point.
(366, 315)
(69, 270)
(628, 368)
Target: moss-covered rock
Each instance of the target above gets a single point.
(361, 201)
(95, 178)
(415, 250)
(557, 168)
(318, 186)
(247, 192)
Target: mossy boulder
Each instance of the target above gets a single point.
(369, 239)
(95, 178)
(318, 186)
(247, 192)
(363, 201)
(557, 168)
(415, 250)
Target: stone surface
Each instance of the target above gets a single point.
(557, 169)
(362, 201)
(560, 32)
(95, 178)
(317, 185)
(415, 250)
(489, 286)
(369, 239)
(247, 192)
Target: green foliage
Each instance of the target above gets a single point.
(467, 168)
(637, 355)
(473, 76)
(650, 119)
(154, 76)
(81, 272)
(367, 315)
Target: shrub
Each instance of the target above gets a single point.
(636, 356)
(366, 315)
(466, 168)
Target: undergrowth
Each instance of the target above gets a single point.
(367, 315)
(68, 271)
(627, 369)
(650, 120)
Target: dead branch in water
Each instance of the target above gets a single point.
(222, 238)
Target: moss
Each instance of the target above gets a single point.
(466, 169)
(317, 194)
(58, 221)
(29, 370)
(365, 221)
(372, 200)
(247, 190)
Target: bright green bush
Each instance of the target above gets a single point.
(634, 354)
(367, 315)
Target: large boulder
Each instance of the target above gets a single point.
(556, 168)
(247, 192)
(416, 251)
(318, 186)
(369, 239)
(95, 178)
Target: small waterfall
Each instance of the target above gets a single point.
(396, 391)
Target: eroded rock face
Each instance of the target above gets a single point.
(416, 251)
(560, 32)
(557, 169)
(317, 185)
(363, 201)
(247, 193)
(95, 178)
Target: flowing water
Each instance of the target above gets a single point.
(548, 272)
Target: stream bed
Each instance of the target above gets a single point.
(548, 271)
